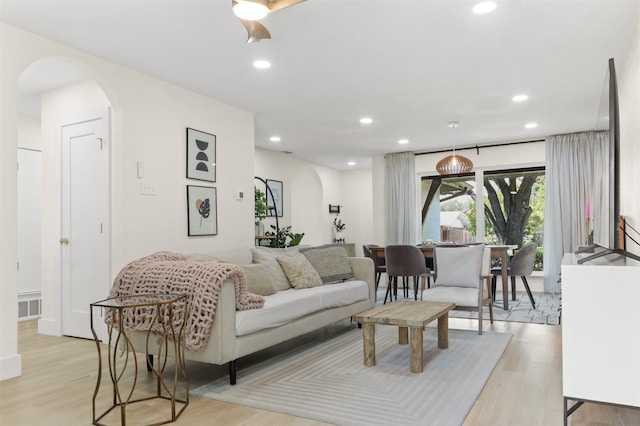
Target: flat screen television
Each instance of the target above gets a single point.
(610, 94)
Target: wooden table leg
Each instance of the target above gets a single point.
(415, 365)
(505, 285)
(369, 343)
(443, 331)
(403, 335)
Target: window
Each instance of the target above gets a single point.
(513, 208)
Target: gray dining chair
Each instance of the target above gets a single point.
(404, 261)
(521, 265)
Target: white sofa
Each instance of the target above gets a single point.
(285, 314)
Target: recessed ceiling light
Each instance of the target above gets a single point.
(274, 138)
(531, 125)
(262, 64)
(520, 98)
(351, 163)
(403, 141)
(366, 120)
(484, 7)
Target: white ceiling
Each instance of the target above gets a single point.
(412, 66)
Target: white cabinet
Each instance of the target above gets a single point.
(601, 330)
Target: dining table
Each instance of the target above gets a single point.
(497, 252)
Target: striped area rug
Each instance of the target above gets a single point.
(328, 381)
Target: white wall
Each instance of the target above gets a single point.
(29, 133)
(629, 102)
(29, 207)
(502, 157)
(149, 121)
(357, 193)
(308, 190)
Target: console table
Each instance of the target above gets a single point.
(159, 309)
(600, 323)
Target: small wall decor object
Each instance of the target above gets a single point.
(338, 230)
(202, 210)
(201, 155)
(334, 209)
(274, 198)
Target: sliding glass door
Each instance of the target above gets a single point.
(512, 210)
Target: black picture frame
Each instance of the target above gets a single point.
(201, 155)
(202, 210)
(334, 208)
(274, 197)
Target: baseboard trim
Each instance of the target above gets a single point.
(10, 367)
(49, 327)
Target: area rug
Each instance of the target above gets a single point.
(328, 382)
(547, 311)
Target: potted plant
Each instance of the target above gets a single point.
(260, 210)
(338, 226)
(280, 240)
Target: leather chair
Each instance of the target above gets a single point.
(380, 266)
(404, 261)
(521, 265)
(459, 276)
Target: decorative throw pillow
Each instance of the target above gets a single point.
(299, 271)
(259, 279)
(330, 261)
(268, 257)
(459, 266)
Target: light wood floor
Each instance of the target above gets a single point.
(525, 388)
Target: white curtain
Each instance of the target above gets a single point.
(577, 173)
(400, 190)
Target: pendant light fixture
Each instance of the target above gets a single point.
(454, 164)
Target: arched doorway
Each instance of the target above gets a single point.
(58, 104)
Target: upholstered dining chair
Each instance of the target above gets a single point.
(520, 265)
(462, 276)
(380, 266)
(404, 261)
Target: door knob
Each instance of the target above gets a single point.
(64, 240)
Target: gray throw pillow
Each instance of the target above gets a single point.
(268, 257)
(259, 279)
(330, 261)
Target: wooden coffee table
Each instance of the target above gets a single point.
(406, 314)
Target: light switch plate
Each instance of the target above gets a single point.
(147, 188)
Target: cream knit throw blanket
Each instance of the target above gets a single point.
(166, 272)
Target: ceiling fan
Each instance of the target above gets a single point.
(251, 11)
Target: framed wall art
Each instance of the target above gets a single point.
(201, 155)
(274, 198)
(202, 210)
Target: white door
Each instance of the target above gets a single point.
(85, 230)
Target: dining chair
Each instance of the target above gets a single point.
(520, 265)
(380, 266)
(458, 278)
(404, 261)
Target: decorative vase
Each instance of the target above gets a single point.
(260, 229)
(338, 237)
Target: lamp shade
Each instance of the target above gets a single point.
(454, 165)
